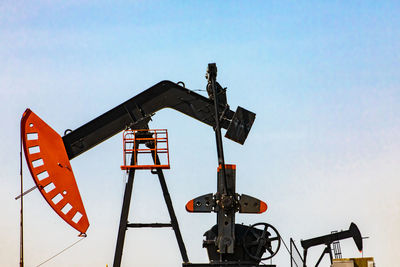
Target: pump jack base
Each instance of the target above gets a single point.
(226, 264)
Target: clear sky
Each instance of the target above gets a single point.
(323, 78)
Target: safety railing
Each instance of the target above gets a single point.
(145, 149)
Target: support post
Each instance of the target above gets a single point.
(21, 244)
(305, 257)
(326, 250)
(291, 253)
(124, 218)
(168, 202)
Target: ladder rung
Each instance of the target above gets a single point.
(152, 225)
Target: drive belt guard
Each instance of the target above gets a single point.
(51, 170)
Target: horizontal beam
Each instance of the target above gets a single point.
(149, 225)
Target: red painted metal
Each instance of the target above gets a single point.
(263, 207)
(159, 139)
(190, 206)
(51, 170)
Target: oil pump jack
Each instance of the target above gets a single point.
(48, 157)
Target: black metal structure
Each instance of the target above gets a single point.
(225, 197)
(227, 243)
(137, 112)
(327, 240)
(124, 224)
(295, 257)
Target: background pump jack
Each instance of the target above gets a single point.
(48, 157)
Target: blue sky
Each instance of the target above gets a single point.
(323, 78)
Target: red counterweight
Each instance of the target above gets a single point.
(51, 170)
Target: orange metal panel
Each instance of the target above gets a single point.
(131, 149)
(144, 167)
(189, 206)
(263, 206)
(227, 166)
(51, 170)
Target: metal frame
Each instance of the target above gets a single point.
(160, 139)
(137, 111)
(293, 245)
(123, 224)
(327, 240)
(135, 114)
(222, 243)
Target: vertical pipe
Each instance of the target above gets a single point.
(21, 245)
(212, 75)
